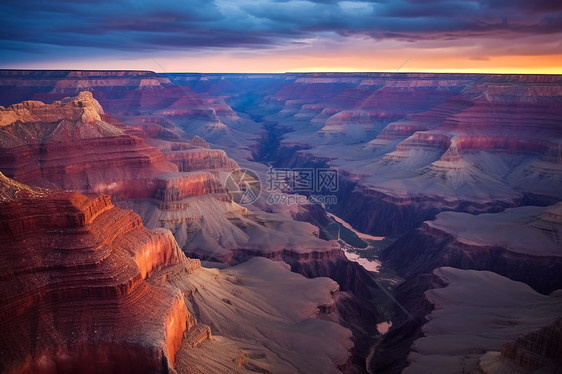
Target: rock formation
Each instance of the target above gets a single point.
(67, 145)
(86, 287)
(477, 312)
(534, 350)
(522, 244)
(84, 283)
(171, 182)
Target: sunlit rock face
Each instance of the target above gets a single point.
(67, 145)
(74, 145)
(84, 285)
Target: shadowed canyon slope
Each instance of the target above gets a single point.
(461, 173)
(474, 316)
(505, 243)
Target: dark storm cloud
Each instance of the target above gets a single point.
(137, 25)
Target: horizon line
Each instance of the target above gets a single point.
(438, 71)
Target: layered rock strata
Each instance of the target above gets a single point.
(82, 287)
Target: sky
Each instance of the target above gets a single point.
(496, 36)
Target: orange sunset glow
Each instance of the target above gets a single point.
(245, 36)
(548, 64)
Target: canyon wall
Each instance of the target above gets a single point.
(80, 288)
(522, 244)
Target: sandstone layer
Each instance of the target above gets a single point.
(82, 286)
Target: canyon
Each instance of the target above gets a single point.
(86, 287)
(452, 182)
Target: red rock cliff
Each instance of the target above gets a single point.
(83, 286)
(73, 144)
(67, 144)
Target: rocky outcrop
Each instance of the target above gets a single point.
(323, 262)
(473, 314)
(247, 305)
(199, 159)
(82, 286)
(67, 145)
(522, 244)
(74, 145)
(538, 349)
